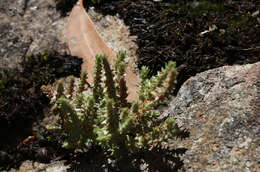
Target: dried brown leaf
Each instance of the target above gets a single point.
(84, 42)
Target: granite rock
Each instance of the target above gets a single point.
(29, 27)
(221, 110)
(29, 166)
(33, 26)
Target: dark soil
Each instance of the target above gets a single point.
(170, 30)
(22, 102)
(166, 30)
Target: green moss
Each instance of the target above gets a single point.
(240, 21)
(204, 7)
(3, 81)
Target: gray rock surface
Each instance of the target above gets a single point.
(29, 166)
(116, 34)
(32, 26)
(29, 26)
(221, 110)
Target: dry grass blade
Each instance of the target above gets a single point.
(84, 42)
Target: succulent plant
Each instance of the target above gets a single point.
(100, 114)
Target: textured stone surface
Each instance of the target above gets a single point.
(29, 26)
(29, 166)
(221, 110)
(32, 26)
(116, 34)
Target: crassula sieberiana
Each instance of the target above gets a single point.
(99, 113)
